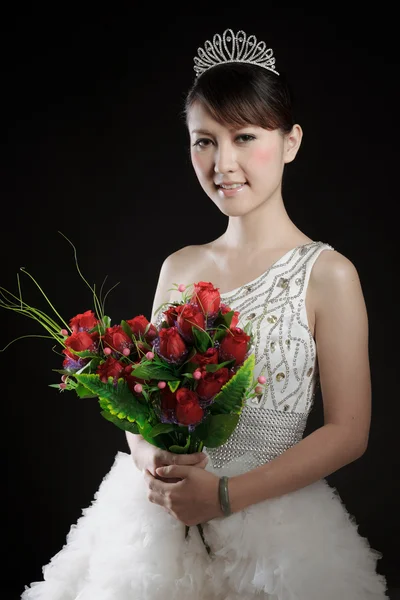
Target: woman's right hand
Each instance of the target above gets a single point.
(149, 457)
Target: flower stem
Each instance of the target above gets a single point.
(200, 528)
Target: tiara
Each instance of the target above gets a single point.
(232, 48)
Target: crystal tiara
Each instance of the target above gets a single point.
(231, 48)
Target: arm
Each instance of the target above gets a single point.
(173, 267)
(341, 336)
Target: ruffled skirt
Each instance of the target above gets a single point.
(301, 546)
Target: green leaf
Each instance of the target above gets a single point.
(55, 385)
(85, 354)
(220, 428)
(213, 368)
(202, 340)
(180, 449)
(124, 425)
(173, 385)
(220, 334)
(116, 399)
(127, 329)
(248, 328)
(83, 392)
(151, 371)
(91, 366)
(162, 428)
(106, 321)
(232, 395)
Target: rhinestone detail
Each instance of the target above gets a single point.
(260, 436)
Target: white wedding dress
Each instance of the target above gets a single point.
(300, 546)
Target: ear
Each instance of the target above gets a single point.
(292, 143)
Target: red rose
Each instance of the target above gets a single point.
(172, 346)
(81, 341)
(110, 368)
(138, 326)
(209, 357)
(83, 322)
(234, 345)
(211, 383)
(168, 400)
(188, 410)
(207, 297)
(172, 313)
(235, 318)
(116, 339)
(190, 317)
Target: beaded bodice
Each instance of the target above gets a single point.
(285, 353)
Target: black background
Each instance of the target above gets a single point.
(96, 147)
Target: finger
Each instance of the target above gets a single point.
(189, 459)
(181, 471)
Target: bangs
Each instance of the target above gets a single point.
(238, 94)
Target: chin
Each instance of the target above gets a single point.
(235, 207)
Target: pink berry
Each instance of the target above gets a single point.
(197, 374)
(161, 384)
(259, 390)
(64, 332)
(181, 288)
(138, 388)
(107, 351)
(64, 378)
(63, 386)
(126, 352)
(150, 355)
(261, 379)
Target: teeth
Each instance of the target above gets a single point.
(232, 186)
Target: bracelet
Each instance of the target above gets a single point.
(224, 496)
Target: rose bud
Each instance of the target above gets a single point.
(81, 341)
(211, 383)
(116, 338)
(110, 368)
(171, 315)
(206, 297)
(235, 318)
(172, 347)
(234, 346)
(190, 317)
(83, 322)
(209, 357)
(139, 324)
(188, 410)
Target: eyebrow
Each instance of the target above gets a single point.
(203, 131)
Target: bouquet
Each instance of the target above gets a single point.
(180, 382)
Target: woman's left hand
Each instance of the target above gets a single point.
(192, 500)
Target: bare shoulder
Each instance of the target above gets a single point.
(332, 268)
(175, 269)
(333, 277)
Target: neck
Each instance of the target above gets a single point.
(268, 226)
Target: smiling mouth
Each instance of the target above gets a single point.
(232, 186)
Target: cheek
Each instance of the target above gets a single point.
(263, 156)
(200, 163)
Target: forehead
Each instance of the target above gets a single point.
(199, 119)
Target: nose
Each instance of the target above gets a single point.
(225, 159)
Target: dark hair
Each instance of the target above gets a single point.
(238, 94)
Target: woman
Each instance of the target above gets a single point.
(288, 537)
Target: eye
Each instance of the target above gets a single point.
(202, 142)
(245, 137)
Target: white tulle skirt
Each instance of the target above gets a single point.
(301, 546)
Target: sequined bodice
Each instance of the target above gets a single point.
(285, 353)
